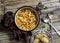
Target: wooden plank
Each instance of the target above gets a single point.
(13, 10)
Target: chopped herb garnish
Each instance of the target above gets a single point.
(45, 7)
(21, 21)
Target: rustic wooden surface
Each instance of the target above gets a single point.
(5, 36)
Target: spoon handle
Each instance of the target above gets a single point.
(55, 29)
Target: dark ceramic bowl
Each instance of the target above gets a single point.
(31, 8)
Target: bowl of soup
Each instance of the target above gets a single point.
(26, 18)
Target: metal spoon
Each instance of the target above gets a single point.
(46, 20)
